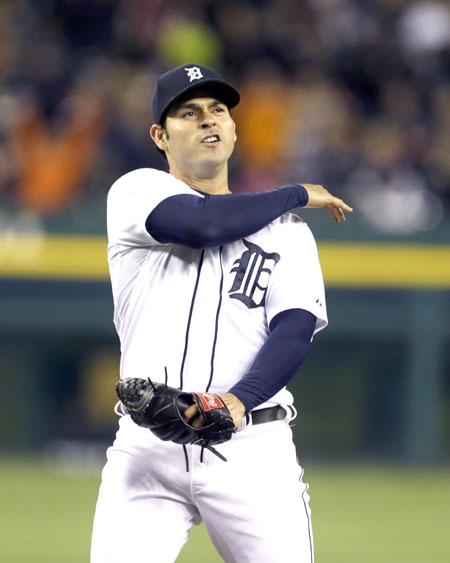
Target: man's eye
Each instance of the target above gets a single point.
(188, 114)
(220, 110)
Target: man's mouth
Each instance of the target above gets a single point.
(211, 139)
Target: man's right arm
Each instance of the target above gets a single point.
(198, 222)
(214, 220)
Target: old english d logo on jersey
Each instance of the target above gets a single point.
(253, 271)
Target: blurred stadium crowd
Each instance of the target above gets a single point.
(351, 94)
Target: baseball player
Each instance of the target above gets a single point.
(217, 294)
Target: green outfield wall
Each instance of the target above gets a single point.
(375, 384)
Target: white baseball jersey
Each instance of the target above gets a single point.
(202, 314)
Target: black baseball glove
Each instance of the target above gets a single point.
(160, 408)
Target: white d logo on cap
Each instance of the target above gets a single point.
(194, 73)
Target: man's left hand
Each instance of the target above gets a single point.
(236, 408)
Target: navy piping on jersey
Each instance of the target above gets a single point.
(186, 458)
(186, 341)
(216, 329)
(311, 547)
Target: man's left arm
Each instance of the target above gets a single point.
(278, 360)
(295, 309)
(275, 365)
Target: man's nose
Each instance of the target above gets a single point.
(207, 121)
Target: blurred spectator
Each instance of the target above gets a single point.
(436, 158)
(53, 155)
(84, 23)
(424, 28)
(263, 118)
(125, 144)
(181, 39)
(386, 175)
(353, 95)
(322, 132)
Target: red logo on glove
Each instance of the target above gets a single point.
(210, 401)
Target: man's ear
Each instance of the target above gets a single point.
(159, 136)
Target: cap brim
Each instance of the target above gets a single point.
(221, 89)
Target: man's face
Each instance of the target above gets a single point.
(200, 134)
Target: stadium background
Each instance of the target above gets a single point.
(353, 95)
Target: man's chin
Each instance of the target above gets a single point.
(212, 161)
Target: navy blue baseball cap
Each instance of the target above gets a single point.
(178, 82)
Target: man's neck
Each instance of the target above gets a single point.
(213, 185)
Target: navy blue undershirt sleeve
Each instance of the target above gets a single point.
(278, 360)
(198, 222)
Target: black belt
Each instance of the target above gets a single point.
(268, 415)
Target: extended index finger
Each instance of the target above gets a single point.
(340, 204)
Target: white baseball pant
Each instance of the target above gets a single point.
(255, 506)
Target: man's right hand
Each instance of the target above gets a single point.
(320, 197)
